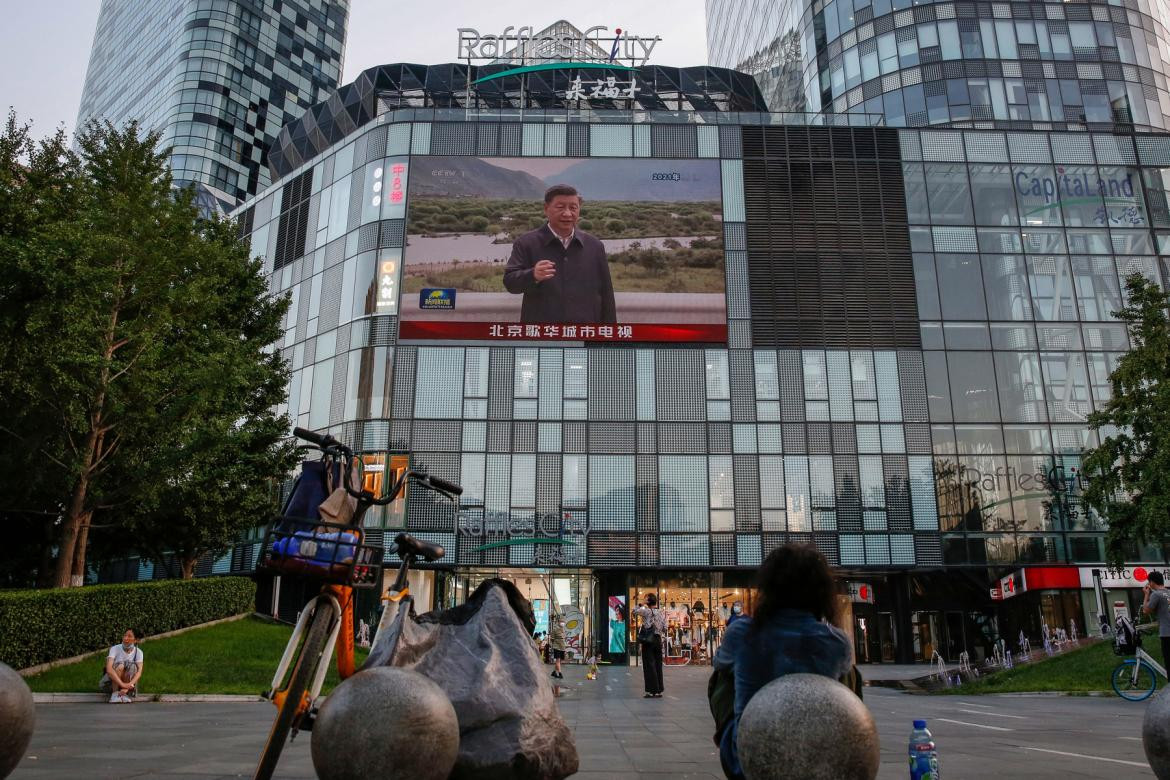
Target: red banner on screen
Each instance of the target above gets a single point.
(496, 331)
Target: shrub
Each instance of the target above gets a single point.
(37, 626)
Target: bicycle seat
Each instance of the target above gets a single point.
(408, 545)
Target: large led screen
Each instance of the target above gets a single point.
(644, 262)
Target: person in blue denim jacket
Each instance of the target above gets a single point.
(789, 633)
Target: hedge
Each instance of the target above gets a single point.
(38, 626)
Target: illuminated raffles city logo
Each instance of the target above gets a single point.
(523, 44)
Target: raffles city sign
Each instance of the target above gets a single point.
(595, 44)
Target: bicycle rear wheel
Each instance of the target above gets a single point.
(306, 665)
(1134, 684)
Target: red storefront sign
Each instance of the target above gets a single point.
(1038, 578)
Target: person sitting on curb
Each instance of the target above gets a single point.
(123, 669)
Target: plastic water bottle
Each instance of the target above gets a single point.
(923, 756)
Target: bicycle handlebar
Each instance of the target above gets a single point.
(333, 446)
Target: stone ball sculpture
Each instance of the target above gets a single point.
(1156, 734)
(17, 717)
(807, 727)
(386, 723)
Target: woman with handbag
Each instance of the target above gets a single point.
(650, 639)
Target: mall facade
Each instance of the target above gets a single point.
(883, 342)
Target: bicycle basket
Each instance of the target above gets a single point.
(314, 549)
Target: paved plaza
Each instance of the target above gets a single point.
(619, 734)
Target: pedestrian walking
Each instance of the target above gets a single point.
(556, 642)
(650, 640)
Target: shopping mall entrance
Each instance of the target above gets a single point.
(573, 590)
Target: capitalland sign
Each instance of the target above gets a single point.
(621, 45)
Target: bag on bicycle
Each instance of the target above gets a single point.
(309, 491)
(1126, 637)
(480, 654)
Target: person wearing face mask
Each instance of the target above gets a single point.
(736, 613)
(123, 669)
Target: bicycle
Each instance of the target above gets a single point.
(336, 554)
(1135, 679)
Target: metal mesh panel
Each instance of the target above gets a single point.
(500, 384)
(678, 373)
(611, 384)
(524, 437)
(682, 438)
(708, 140)
(487, 139)
(1029, 147)
(986, 147)
(1114, 150)
(646, 492)
(607, 549)
(902, 550)
(748, 550)
(912, 383)
(612, 437)
(511, 140)
(1072, 148)
(647, 550)
(742, 373)
(337, 403)
(554, 140)
(532, 140)
(918, 439)
(877, 550)
(719, 438)
(330, 298)
(452, 138)
(852, 550)
(402, 406)
(1153, 150)
(393, 233)
(844, 439)
(793, 437)
(425, 509)
(928, 550)
(400, 435)
(674, 140)
(942, 145)
(499, 436)
(738, 299)
(647, 440)
(611, 141)
(827, 544)
(734, 237)
(730, 142)
(578, 140)
(376, 144)
(897, 478)
(722, 549)
(575, 437)
(910, 144)
(548, 483)
(684, 550)
(747, 492)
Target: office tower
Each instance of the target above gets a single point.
(217, 78)
(1018, 65)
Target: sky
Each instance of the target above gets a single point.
(44, 46)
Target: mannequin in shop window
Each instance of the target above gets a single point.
(790, 633)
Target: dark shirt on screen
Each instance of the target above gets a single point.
(580, 292)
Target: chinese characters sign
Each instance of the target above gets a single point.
(607, 88)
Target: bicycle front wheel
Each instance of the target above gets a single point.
(1134, 680)
(306, 665)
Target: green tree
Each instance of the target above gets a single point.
(138, 334)
(1128, 475)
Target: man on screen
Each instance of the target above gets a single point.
(561, 271)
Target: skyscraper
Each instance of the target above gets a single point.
(978, 63)
(218, 78)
